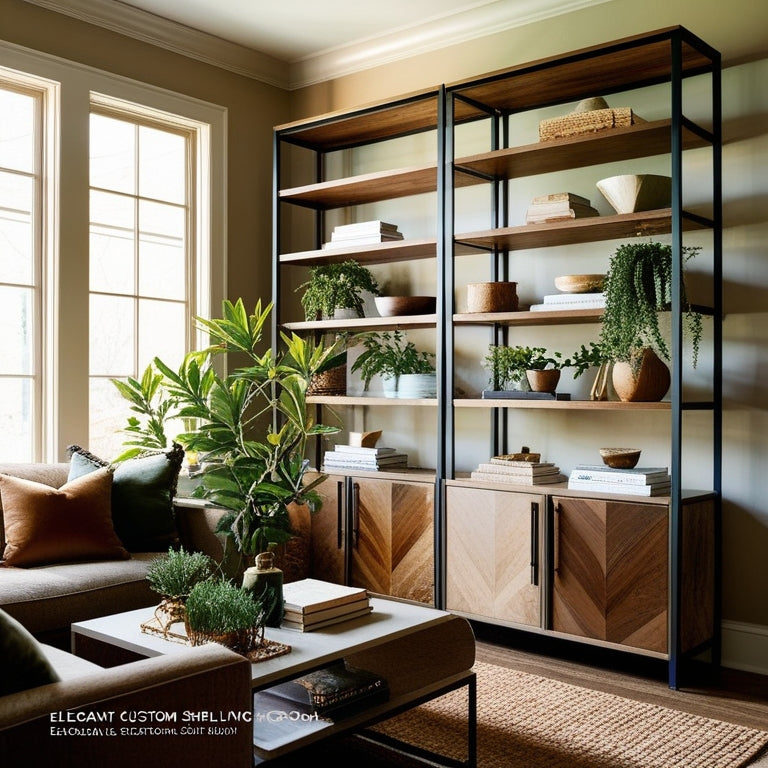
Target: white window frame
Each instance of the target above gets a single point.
(64, 372)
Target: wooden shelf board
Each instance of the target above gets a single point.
(586, 230)
(524, 317)
(411, 113)
(340, 400)
(625, 64)
(364, 323)
(641, 140)
(566, 405)
(390, 252)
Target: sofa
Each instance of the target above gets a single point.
(78, 715)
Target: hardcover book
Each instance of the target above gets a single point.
(308, 595)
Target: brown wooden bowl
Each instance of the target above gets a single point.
(620, 458)
(392, 306)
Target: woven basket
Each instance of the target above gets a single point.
(492, 297)
(331, 382)
(586, 122)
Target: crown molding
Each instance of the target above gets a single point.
(400, 44)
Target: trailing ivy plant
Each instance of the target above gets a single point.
(336, 286)
(637, 287)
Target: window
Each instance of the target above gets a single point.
(20, 269)
(142, 257)
(112, 238)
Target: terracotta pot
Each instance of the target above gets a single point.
(648, 385)
(545, 380)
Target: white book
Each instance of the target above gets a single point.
(621, 488)
(641, 476)
(566, 305)
(363, 451)
(350, 459)
(531, 471)
(364, 227)
(307, 595)
(500, 477)
(308, 626)
(365, 240)
(576, 298)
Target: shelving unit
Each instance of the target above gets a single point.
(690, 519)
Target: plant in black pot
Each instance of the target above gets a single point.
(638, 287)
(333, 287)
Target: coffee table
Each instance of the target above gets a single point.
(422, 652)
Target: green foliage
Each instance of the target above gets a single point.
(217, 606)
(637, 287)
(389, 355)
(584, 358)
(507, 365)
(252, 470)
(336, 286)
(175, 574)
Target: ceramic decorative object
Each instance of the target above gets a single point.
(647, 383)
(620, 458)
(637, 192)
(492, 297)
(580, 283)
(417, 385)
(392, 306)
(543, 380)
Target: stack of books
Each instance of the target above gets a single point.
(363, 233)
(502, 470)
(365, 459)
(559, 206)
(313, 604)
(566, 301)
(640, 481)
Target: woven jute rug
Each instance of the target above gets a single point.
(527, 721)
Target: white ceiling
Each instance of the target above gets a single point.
(291, 43)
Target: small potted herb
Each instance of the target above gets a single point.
(391, 356)
(543, 372)
(333, 287)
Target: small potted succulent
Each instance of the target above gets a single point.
(333, 289)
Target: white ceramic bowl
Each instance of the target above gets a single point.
(637, 192)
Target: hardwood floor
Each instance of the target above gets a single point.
(732, 696)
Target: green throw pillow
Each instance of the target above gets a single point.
(22, 661)
(142, 495)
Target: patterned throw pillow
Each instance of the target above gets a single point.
(142, 495)
(45, 525)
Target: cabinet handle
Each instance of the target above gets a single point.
(556, 537)
(339, 515)
(534, 543)
(355, 513)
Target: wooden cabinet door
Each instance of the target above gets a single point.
(610, 571)
(328, 540)
(493, 554)
(392, 538)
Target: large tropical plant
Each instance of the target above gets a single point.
(638, 286)
(251, 425)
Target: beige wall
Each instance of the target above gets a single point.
(737, 28)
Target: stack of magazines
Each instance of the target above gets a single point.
(313, 604)
(500, 469)
(640, 481)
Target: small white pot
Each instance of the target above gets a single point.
(417, 385)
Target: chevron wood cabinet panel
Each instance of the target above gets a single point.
(393, 537)
(493, 554)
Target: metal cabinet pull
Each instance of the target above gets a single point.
(339, 514)
(534, 543)
(556, 537)
(355, 513)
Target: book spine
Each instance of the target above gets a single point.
(580, 475)
(523, 464)
(522, 471)
(499, 477)
(558, 197)
(620, 488)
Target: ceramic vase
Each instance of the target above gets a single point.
(648, 384)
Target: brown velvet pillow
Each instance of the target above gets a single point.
(45, 525)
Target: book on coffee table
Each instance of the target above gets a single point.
(307, 596)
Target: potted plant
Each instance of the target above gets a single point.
(638, 286)
(543, 372)
(173, 576)
(220, 612)
(391, 356)
(333, 287)
(507, 367)
(252, 427)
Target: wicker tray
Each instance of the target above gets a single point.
(587, 122)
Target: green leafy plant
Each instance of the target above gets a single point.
(175, 575)
(252, 425)
(507, 365)
(336, 286)
(638, 286)
(389, 355)
(584, 358)
(217, 607)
